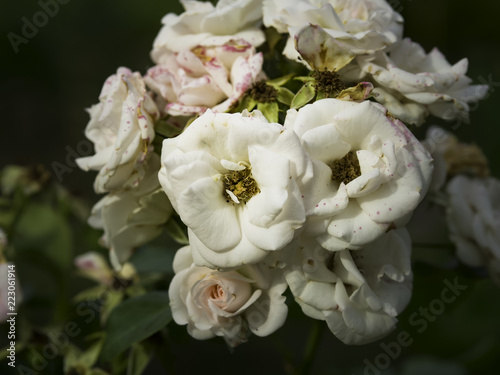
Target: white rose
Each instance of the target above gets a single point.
(370, 171)
(474, 221)
(205, 77)
(132, 217)
(413, 84)
(205, 25)
(229, 304)
(361, 27)
(358, 293)
(235, 181)
(122, 128)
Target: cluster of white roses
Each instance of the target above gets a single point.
(316, 202)
(464, 201)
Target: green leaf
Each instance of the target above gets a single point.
(91, 293)
(138, 359)
(304, 96)
(304, 79)
(134, 320)
(269, 110)
(40, 227)
(111, 300)
(176, 231)
(74, 357)
(285, 96)
(152, 258)
(273, 37)
(167, 129)
(280, 81)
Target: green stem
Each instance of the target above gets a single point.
(311, 348)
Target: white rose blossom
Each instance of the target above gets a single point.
(202, 24)
(132, 217)
(122, 129)
(362, 26)
(413, 84)
(370, 171)
(205, 77)
(474, 221)
(235, 181)
(358, 293)
(230, 304)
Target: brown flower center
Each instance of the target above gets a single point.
(346, 169)
(241, 184)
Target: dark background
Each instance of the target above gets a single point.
(60, 71)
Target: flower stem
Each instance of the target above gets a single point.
(311, 347)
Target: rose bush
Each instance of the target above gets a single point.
(359, 26)
(132, 217)
(358, 293)
(230, 304)
(215, 77)
(122, 128)
(202, 24)
(474, 221)
(235, 181)
(413, 84)
(370, 171)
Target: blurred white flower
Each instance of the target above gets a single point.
(122, 128)
(362, 26)
(132, 217)
(202, 24)
(235, 181)
(230, 304)
(358, 293)
(205, 77)
(474, 221)
(370, 172)
(413, 84)
(95, 267)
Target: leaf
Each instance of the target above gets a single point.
(269, 110)
(273, 37)
(167, 129)
(40, 227)
(152, 258)
(176, 231)
(304, 96)
(358, 93)
(280, 81)
(134, 320)
(74, 357)
(138, 359)
(285, 96)
(111, 300)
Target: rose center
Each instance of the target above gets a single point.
(346, 169)
(239, 186)
(217, 292)
(328, 82)
(262, 92)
